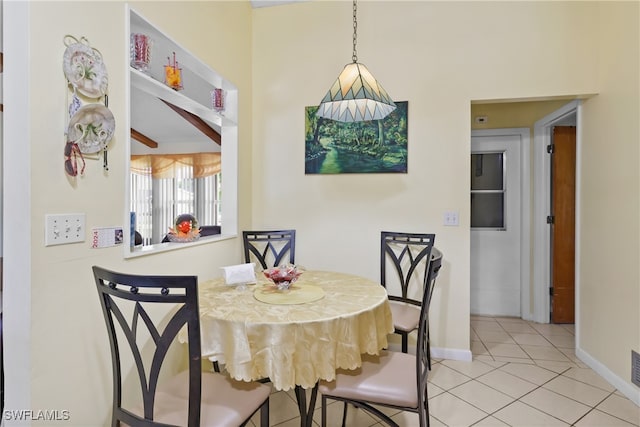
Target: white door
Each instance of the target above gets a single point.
(496, 223)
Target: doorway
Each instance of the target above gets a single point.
(562, 223)
(536, 244)
(542, 272)
(499, 214)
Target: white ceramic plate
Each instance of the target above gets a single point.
(84, 68)
(91, 127)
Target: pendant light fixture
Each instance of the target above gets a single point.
(356, 95)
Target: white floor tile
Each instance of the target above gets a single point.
(577, 390)
(530, 339)
(519, 414)
(478, 348)
(554, 404)
(507, 383)
(621, 407)
(445, 377)
(490, 361)
(495, 336)
(507, 350)
(562, 341)
(486, 325)
(472, 369)
(558, 366)
(544, 353)
(548, 329)
(355, 417)
(433, 390)
(523, 328)
(588, 376)
(518, 360)
(596, 418)
(453, 411)
(490, 422)
(532, 373)
(281, 408)
(570, 353)
(482, 396)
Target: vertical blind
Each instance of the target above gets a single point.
(165, 186)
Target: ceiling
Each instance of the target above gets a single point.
(267, 3)
(157, 121)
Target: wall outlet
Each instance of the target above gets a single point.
(64, 228)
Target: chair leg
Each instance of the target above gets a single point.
(323, 421)
(428, 350)
(216, 367)
(264, 414)
(405, 342)
(344, 415)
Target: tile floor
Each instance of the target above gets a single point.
(522, 374)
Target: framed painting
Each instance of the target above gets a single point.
(375, 146)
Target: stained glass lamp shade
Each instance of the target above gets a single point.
(356, 96)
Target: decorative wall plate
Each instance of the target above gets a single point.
(91, 127)
(84, 68)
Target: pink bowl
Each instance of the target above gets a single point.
(283, 275)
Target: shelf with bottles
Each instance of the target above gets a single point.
(197, 88)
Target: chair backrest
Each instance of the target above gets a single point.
(125, 301)
(409, 254)
(434, 269)
(422, 358)
(269, 248)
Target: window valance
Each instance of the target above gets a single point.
(166, 165)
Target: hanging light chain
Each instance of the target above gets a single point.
(354, 57)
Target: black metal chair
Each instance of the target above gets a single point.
(189, 398)
(393, 379)
(270, 248)
(409, 255)
(434, 270)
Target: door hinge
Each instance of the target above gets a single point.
(551, 291)
(550, 148)
(551, 219)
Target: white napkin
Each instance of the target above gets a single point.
(242, 274)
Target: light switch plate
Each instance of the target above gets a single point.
(64, 228)
(450, 218)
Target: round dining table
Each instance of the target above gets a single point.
(295, 337)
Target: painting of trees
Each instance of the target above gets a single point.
(375, 146)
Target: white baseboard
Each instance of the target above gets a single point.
(451, 354)
(629, 390)
(436, 352)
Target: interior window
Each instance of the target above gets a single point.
(185, 189)
(487, 190)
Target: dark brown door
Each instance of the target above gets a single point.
(563, 197)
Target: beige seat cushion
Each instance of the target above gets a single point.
(225, 402)
(406, 317)
(388, 379)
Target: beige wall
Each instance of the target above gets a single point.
(70, 358)
(609, 198)
(513, 114)
(439, 56)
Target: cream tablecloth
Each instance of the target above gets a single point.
(294, 344)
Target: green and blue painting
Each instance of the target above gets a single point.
(375, 146)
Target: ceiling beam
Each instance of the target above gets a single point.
(143, 139)
(200, 124)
